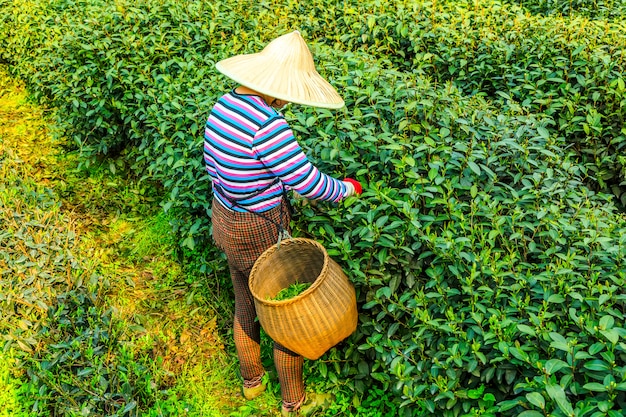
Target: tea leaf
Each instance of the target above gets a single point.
(536, 399)
(291, 291)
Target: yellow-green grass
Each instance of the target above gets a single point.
(12, 386)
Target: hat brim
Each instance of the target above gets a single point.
(258, 72)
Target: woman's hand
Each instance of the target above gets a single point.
(352, 187)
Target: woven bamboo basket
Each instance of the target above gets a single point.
(316, 319)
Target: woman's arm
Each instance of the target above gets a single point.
(276, 147)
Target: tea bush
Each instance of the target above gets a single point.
(477, 251)
(12, 388)
(48, 312)
(546, 65)
(63, 354)
(611, 9)
(76, 372)
(571, 69)
(488, 273)
(35, 261)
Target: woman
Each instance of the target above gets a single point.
(252, 158)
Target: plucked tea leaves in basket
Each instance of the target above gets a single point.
(316, 319)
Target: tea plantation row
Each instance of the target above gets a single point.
(489, 273)
(609, 9)
(570, 69)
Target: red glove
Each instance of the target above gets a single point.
(357, 186)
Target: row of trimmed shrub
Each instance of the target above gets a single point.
(596, 9)
(488, 273)
(478, 253)
(569, 68)
(63, 352)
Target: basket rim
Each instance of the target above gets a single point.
(268, 252)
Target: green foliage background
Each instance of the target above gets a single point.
(488, 249)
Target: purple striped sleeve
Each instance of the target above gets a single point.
(277, 148)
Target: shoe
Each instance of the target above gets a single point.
(312, 402)
(258, 388)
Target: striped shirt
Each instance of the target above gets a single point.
(250, 153)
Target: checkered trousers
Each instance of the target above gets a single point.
(244, 237)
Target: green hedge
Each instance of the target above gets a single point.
(571, 69)
(489, 275)
(595, 9)
(476, 248)
(72, 357)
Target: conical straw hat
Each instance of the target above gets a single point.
(285, 70)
